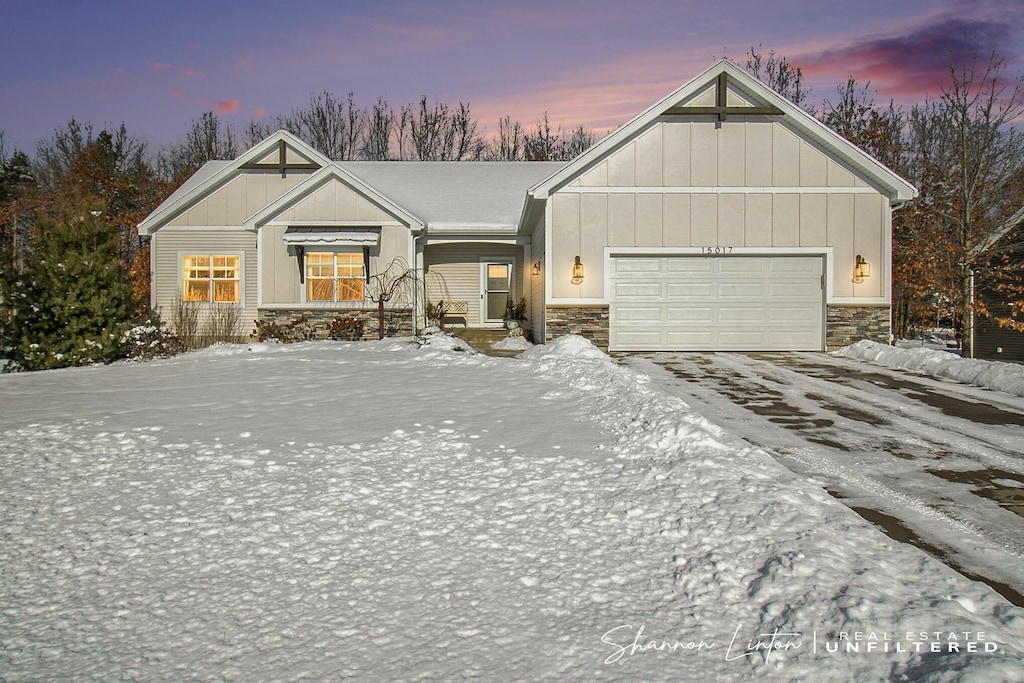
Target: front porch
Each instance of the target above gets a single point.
(473, 282)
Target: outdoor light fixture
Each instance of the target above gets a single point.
(861, 269)
(536, 268)
(577, 272)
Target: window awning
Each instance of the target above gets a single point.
(311, 237)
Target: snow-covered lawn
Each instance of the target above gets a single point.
(381, 511)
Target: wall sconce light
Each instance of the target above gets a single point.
(861, 269)
(536, 268)
(577, 272)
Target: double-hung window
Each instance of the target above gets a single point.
(335, 276)
(212, 278)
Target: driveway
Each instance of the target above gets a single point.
(933, 463)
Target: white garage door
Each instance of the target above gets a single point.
(716, 303)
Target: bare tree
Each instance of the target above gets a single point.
(397, 282)
(208, 139)
(876, 130)
(434, 133)
(331, 125)
(547, 144)
(776, 72)
(509, 144)
(380, 126)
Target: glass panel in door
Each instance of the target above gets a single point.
(498, 278)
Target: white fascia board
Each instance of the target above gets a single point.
(155, 220)
(319, 179)
(472, 228)
(434, 239)
(898, 189)
(578, 301)
(721, 189)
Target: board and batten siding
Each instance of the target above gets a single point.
(170, 244)
(453, 273)
(281, 278)
(745, 182)
(239, 198)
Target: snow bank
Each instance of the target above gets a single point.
(511, 343)
(385, 511)
(570, 345)
(1007, 377)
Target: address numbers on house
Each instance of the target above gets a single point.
(713, 251)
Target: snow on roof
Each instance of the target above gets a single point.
(454, 196)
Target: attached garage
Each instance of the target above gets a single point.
(716, 303)
(721, 218)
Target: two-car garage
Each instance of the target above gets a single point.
(714, 302)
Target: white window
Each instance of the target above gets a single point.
(212, 278)
(335, 276)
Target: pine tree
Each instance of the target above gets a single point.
(73, 300)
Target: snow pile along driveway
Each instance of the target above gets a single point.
(1008, 377)
(387, 512)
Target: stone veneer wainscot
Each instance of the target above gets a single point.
(590, 322)
(847, 324)
(398, 321)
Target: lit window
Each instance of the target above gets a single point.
(331, 276)
(212, 278)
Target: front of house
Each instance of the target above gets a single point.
(721, 218)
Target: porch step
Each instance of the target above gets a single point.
(483, 339)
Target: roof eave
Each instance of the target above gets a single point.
(162, 215)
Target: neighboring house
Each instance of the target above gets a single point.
(993, 341)
(722, 218)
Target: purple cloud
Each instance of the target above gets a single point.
(918, 62)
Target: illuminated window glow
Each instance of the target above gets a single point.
(212, 278)
(335, 276)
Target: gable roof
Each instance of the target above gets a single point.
(999, 233)
(214, 174)
(457, 196)
(898, 189)
(331, 172)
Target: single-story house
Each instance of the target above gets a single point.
(721, 218)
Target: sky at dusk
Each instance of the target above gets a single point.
(158, 66)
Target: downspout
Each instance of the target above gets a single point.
(418, 264)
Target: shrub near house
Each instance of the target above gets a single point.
(72, 303)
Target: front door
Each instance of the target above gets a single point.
(495, 287)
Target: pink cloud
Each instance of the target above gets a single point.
(162, 66)
(261, 112)
(916, 63)
(224, 106)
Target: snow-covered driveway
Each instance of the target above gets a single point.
(385, 512)
(936, 463)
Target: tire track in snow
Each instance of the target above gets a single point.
(863, 443)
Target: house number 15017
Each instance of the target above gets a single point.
(708, 251)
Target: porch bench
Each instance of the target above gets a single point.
(457, 308)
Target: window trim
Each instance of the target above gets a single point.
(333, 250)
(240, 255)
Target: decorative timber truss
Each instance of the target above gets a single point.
(721, 108)
(281, 165)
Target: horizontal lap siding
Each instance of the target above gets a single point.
(169, 244)
(453, 273)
